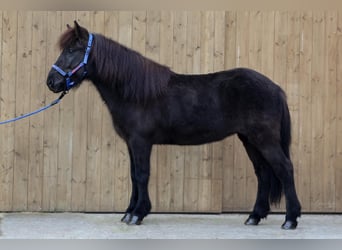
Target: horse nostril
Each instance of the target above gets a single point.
(50, 83)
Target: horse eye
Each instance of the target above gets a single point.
(71, 50)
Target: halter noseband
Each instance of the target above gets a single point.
(67, 75)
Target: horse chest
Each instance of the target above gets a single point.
(121, 125)
(128, 121)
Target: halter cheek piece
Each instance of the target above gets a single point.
(67, 75)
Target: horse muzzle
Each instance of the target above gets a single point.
(55, 84)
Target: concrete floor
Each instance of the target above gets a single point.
(163, 226)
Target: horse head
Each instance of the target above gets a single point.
(70, 67)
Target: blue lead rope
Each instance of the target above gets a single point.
(69, 82)
(35, 112)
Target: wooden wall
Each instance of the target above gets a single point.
(70, 159)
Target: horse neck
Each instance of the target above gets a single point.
(126, 72)
(105, 65)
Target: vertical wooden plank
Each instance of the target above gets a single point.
(7, 107)
(2, 164)
(1, 15)
(152, 52)
(267, 53)
(217, 148)
(152, 47)
(255, 40)
(254, 62)
(207, 42)
(164, 152)
(231, 40)
(280, 59)
(242, 38)
(192, 153)
(193, 45)
(318, 77)
(179, 65)
(116, 26)
(122, 172)
(36, 139)
(228, 144)
(191, 178)
(180, 30)
(79, 140)
(292, 92)
(94, 132)
(338, 174)
(280, 48)
(108, 134)
(21, 129)
(1, 25)
(330, 111)
(207, 66)
(219, 40)
(65, 149)
(139, 33)
(240, 156)
(305, 111)
(51, 118)
(268, 47)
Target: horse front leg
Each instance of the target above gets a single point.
(134, 194)
(140, 204)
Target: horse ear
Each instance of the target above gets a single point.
(77, 28)
(68, 26)
(76, 24)
(80, 31)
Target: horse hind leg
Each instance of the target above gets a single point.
(264, 175)
(283, 169)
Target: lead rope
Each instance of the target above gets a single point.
(69, 83)
(36, 111)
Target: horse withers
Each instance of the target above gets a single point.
(150, 104)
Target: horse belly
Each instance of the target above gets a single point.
(199, 133)
(196, 139)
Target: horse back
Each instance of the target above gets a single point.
(205, 108)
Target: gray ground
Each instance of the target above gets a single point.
(163, 226)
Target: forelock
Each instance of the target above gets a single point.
(67, 38)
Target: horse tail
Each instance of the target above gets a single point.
(276, 190)
(285, 141)
(285, 129)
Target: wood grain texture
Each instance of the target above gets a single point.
(7, 106)
(70, 159)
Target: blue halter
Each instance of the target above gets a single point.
(67, 75)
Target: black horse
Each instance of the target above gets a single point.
(150, 105)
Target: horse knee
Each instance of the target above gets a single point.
(142, 178)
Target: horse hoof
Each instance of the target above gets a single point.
(252, 221)
(134, 221)
(289, 225)
(127, 218)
